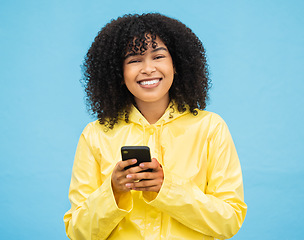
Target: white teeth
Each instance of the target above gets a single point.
(150, 82)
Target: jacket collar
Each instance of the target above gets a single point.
(170, 115)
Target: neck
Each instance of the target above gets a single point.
(152, 111)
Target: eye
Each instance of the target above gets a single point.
(159, 57)
(133, 61)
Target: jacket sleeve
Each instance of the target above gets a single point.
(220, 210)
(94, 212)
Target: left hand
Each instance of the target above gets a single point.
(152, 180)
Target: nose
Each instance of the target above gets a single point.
(148, 67)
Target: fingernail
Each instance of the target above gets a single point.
(128, 176)
(142, 165)
(134, 161)
(128, 184)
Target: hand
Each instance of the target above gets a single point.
(146, 181)
(118, 178)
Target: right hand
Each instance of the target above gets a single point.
(118, 178)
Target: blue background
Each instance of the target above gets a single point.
(255, 51)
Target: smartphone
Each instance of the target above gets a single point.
(140, 153)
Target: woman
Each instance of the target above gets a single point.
(146, 79)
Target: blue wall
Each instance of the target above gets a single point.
(255, 51)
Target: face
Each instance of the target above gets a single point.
(149, 76)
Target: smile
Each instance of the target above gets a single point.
(149, 82)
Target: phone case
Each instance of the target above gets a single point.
(141, 153)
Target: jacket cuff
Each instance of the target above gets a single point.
(124, 201)
(153, 197)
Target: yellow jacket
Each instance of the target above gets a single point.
(202, 192)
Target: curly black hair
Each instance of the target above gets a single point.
(108, 98)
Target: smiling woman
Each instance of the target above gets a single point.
(146, 79)
(131, 35)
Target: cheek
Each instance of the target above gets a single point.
(170, 68)
(129, 73)
(129, 79)
(170, 72)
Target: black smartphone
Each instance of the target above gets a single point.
(141, 153)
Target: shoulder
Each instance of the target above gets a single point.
(211, 117)
(92, 127)
(96, 134)
(210, 121)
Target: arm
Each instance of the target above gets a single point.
(219, 211)
(94, 212)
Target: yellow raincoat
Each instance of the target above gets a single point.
(202, 192)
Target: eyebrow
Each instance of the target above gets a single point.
(154, 50)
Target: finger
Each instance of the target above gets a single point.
(122, 164)
(148, 182)
(147, 185)
(142, 175)
(154, 164)
(134, 170)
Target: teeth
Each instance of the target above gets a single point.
(150, 82)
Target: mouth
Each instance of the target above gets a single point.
(149, 82)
